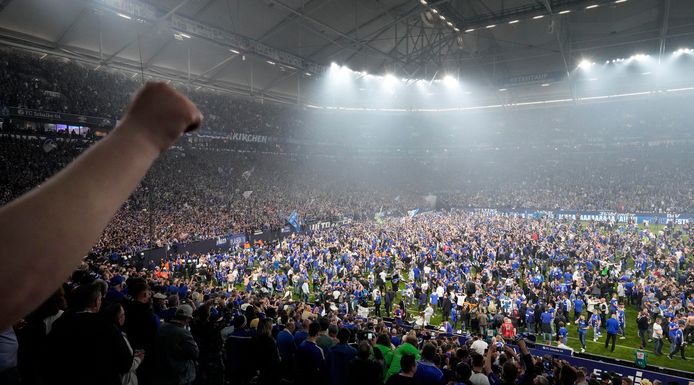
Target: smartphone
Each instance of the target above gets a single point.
(370, 336)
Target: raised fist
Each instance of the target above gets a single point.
(160, 114)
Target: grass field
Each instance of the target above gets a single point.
(624, 349)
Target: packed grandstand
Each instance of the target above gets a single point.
(268, 247)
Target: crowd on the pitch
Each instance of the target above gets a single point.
(192, 194)
(311, 308)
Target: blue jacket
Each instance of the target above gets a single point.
(612, 326)
(310, 367)
(339, 357)
(285, 344)
(428, 374)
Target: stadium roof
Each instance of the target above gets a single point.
(277, 48)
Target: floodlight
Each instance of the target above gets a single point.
(538, 17)
(585, 64)
(564, 12)
(592, 6)
(470, 30)
(513, 21)
(450, 81)
(124, 16)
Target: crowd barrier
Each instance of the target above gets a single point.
(598, 216)
(598, 365)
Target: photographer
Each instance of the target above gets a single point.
(515, 371)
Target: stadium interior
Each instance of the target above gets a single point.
(379, 192)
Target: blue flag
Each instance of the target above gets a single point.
(412, 213)
(294, 220)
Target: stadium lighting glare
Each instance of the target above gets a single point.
(592, 6)
(585, 64)
(470, 30)
(390, 80)
(683, 51)
(513, 21)
(307, 73)
(503, 89)
(620, 1)
(270, 62)
(234, 51)
(639, 57)
(645, 73)
(424, 2)
(124, 16)
(545, 84)
(334, 66)
(449, 81)
(456, 29)
(490, 26)
(442, 17)
(449, 24)
(564, 12)
(436, 11)
(538, 17)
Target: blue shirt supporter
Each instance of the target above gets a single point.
(546, 317)
(612, 326)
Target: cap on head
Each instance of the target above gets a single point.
(184, 311)
(116, 280)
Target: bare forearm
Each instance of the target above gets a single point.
(68, 212)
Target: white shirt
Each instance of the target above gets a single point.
(428, 312)
(479, 346)
(461, 300)
(479, 379)
(657, 330)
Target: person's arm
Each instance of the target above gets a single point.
(527, 360)
(489, 357)
(47, 231)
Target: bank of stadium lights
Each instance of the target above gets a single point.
(181, 36)
(683, 51)
(124, 16)
(538, 17)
